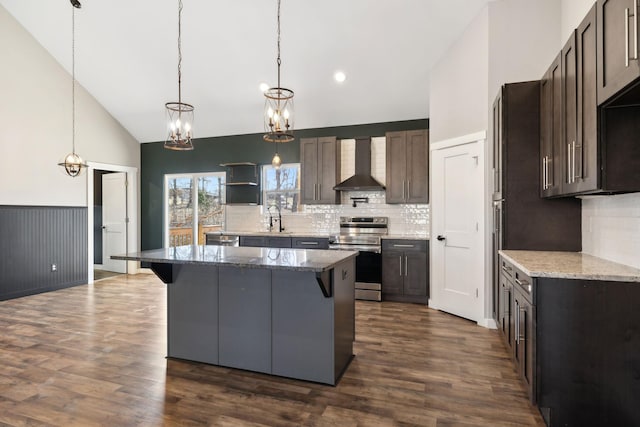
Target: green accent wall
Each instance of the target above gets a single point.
(208, 153)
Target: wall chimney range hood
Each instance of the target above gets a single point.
(362, 180)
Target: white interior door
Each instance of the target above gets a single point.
(114, 220)
(457, 228)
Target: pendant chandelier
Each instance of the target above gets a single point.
(179, 114)
(278, 111)
(72, 163)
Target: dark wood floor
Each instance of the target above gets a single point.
(94, 355)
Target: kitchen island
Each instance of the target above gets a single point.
(285, 312)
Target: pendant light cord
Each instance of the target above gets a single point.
(179, 51)
(278, 61)
(73, 79)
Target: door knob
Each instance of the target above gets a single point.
(441, 238)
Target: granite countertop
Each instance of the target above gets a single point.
(315, 260)
(271, 234)
(413, 236)
(570, 265)
(325, 235)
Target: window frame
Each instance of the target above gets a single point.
(166, 239)
(265, 191)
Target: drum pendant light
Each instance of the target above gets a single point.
(179, 114)
(278, 112)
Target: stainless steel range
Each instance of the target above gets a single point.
(364, 234)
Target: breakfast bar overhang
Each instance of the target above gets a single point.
(285, 312)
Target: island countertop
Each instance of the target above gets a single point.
(315, 260)
(570, 265)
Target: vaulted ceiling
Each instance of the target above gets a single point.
(126, 57)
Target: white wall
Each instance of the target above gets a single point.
(572, 13)
(35, 113)
(459, 97)
(523, 40)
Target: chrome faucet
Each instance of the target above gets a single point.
(271, 220)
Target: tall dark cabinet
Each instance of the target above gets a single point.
(522, 219)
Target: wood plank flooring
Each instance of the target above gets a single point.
(94, 355)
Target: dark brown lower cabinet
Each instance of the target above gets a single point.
(405, 272)
(576, 346)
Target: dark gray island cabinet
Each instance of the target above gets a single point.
(285, 312)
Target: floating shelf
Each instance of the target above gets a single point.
(241, 183)
(230, 165)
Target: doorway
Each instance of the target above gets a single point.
(457, 241)
(112, 219)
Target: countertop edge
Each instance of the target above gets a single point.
(633, 275)
(314, 269)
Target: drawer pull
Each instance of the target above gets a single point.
(309, 243)
(398, 245)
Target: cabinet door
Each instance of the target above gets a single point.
(308, 170)
(585, 155)
(524, 340)
(327, 169)
(570, 113)
(504, 310)
(396, 167)
(527, 346)
(417, 167)
(415, 274)
(392, 272)
(617, 47)
(551, 129)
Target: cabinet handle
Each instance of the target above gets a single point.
(523, 283)
(635, 30)
(309, 243)
(408, 189)
(403, 188)
(569, 163)
(400, 257)
(517, 321)
(573, 161)
(398, 245)
(507, 269)
(626, 37)
(319, 191)
(406, 266)
(544, 173)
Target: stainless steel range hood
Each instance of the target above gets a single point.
(362, 180)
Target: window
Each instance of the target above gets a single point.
(194, 205)
(281, 187)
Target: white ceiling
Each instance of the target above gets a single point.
(126, 57)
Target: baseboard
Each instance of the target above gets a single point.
(488, 323)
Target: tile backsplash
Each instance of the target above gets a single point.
(611, 228)
(404, 219)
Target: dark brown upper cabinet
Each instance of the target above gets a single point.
(580, 109)
(407, 169)
(618, 64)
(551, 130)
(319, 170)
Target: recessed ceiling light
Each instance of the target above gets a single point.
(340, 76)
(263, 87)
